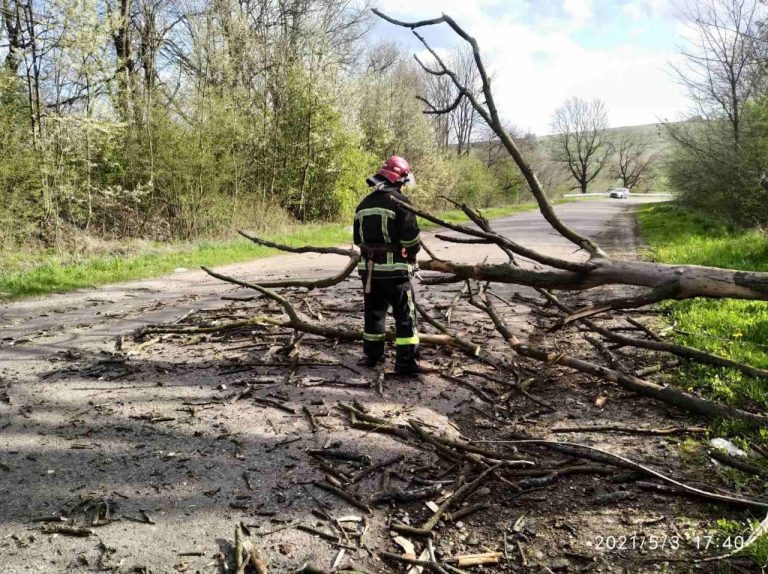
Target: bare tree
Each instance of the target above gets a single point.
(464, 119)
(441, 92)
(580, 142)
(381, 57)
(31, 33)
(458, 121)
(722, 60)
(122, 41)
(635, 160)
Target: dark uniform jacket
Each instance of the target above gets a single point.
(382, 229)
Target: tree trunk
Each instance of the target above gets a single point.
(124, 70)
(677, 281)
(12, 21)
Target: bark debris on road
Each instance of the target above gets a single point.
(154, 449)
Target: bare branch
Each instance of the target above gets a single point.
(302, 249)
(411, 25)
(450, 239)
(656, 345)
(318, 283)
(627, 463)
(631, 383)
(442, 111)
(490, 115)
(297, 323)
(499, 240)
(354, 258)
(690, 280)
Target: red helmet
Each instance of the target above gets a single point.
(396, 170)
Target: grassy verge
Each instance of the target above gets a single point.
(29, 274)
(38, 274)
(735, 329)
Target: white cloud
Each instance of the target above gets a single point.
(642, 9)
(579, 11)
(537, 65)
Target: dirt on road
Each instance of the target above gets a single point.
(156, 447)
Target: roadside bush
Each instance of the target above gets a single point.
(223, 161)
(711, 173)
(510, 183)
(435, 176)
(22, 205)
(350, 186)
(475, 184)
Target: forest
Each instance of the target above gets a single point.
(165, 119)
(169, 119)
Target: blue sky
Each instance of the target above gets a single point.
(543, 52)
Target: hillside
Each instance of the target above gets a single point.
(556, 180)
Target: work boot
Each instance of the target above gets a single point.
(371, 361)
(409, 369)
(406, 360)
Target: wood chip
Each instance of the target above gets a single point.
(476, 559)
(408, 548)
(338, 559)
(419, 569)
(600, 401)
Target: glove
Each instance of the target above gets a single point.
(409, 257)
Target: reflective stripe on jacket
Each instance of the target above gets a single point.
(385, 225)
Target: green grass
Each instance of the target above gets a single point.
(28, 274)
(47, 273)
(735, 329)
(731, 535)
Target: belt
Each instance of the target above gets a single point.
(378, 253)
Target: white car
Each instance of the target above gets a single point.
(619, 193)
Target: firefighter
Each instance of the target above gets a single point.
(388, 237)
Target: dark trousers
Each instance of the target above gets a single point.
(399, 294)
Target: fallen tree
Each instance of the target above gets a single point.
(629, 382)
(673, 281)
(543, 272)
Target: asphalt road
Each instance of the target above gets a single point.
(67, 429)
(38, 326)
